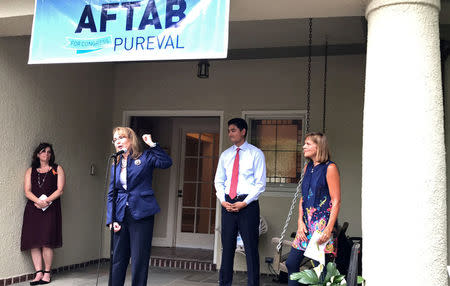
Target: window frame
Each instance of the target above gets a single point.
(277, 114)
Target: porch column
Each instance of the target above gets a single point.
(403, 170)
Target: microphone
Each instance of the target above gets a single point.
(124, 150)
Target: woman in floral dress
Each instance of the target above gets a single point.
(320, 201)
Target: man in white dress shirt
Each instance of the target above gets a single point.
(240, 179)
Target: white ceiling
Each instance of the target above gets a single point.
(13, 8)
(242, 10)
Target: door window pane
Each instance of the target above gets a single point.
(187, 220)
(203, 221)
(213, 196)
(216, 144)
(207, 144)
(206, 170)
(204, 195)
(213, 221)
(190, 169)
(192, 144)
(189, 192)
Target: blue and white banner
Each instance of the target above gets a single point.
(77, 31)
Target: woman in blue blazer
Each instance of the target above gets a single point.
(136, 204)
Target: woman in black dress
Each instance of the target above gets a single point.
(42, 230)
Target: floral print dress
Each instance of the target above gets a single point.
(316, 204)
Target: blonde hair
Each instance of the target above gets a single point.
(323, 152)
(135, 145)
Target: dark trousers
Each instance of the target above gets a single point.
(246, 221)
(293, 264)
(135, 240)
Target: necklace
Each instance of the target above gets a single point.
(312, 169)
(124, 163)
(39, 181)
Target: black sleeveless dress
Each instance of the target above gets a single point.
(42, 228)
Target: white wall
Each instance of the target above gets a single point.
(273, 84)
(69, 106)
(446, 82)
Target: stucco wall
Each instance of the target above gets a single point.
(273, 84)
(446, 82)
(67, 105)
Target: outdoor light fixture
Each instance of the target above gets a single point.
(203, 69)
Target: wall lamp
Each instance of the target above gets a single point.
(203, 69)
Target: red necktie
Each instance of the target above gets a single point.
(234, 175)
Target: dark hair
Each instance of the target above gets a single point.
(240, 123)
(35, 162)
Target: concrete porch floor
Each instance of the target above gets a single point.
(157, 277)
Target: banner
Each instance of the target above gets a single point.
(112, 30)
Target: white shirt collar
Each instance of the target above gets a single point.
(242, 147)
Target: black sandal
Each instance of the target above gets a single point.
(45, 282)
(38, 281)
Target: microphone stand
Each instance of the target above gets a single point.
(113, 219)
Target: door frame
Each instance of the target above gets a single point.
(169, 239)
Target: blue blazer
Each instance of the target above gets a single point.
(139, 193)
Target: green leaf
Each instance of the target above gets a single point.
(360, 280)
(305, 277)
(295, 276)
(338, 278)
(331, 271)
(331, 267)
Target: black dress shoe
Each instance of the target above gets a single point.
(36, 282)
(45, 282)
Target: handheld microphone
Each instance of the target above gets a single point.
(124, 150)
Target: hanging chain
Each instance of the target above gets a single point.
(308, 109)
(291, 210)
(325, 87)
(308, 93)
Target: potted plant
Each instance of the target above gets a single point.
(314, 276)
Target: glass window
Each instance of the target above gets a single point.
(281, 142)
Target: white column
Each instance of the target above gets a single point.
(404, 217)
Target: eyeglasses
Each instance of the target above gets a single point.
(45, 151)
(118, 138)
